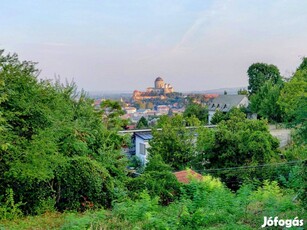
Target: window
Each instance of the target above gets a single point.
(142, 149)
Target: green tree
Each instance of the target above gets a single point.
(140, 105)
(264, 102)
(303, 65)
(111, 112)
(221, 116)
(242, 92)
(204, 145)
(293, 96)
(51, 133)
(259, 73)
(218, 117)
(198, 111)
(174, 142)
(240, 142)
(158, 180)
(192, 121)
(142, 123)
(293, 102)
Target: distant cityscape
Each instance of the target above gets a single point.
(161, 99)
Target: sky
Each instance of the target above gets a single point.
(120, 45)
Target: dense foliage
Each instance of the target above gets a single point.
(58, 154)
(264, 102)
(142, 123)
(259, 73)
(239, 142)
(157, 180)
(203, 205)
(55, 151)
(174, 143)
(198, 111)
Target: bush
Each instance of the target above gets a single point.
(8, 209)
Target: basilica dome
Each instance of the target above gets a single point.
(159, 83)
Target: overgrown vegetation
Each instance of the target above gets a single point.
(55, 151)
(61, 166)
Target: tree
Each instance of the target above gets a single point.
(242, 92)
(53, 141)
(174, 142)
(221, 116)
(158, 180)
(140, 105)
(239, 142)
(293, 102)
(218, 117)
(204, 145)
(111, 112)
(259, 73)
(303, 65)
(192, 121)
(198, 111)
(142, 123)
(264, 102)
(293, 95)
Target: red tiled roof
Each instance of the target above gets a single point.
(212, 95)
(130, 127)
(184, 176)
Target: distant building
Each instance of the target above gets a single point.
(130, 127)
(143, 111)
(210, 97)
(159, 90)
(178, 111)
(226, 102)
(162, 109)
(130, 110)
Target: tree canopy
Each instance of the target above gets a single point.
(59, 153)
(174, 143)
(264, 102)
(199, 111)
(51, 141)
(259, 73)
(142, 123)
(237, 142)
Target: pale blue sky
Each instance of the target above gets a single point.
(125, 45)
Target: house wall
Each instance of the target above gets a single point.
(138, 141)
(244, 102)
(210, 115)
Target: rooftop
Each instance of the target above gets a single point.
(185, 176)
(226, 102)
(144, 135)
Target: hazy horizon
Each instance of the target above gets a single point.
(124, 45)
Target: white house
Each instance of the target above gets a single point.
(130, 110)
(141, 145)
(225, 102)
(162, 109)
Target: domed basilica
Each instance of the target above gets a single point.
(160, 89)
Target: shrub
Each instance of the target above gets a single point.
(8, 209)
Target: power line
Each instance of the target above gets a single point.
(249, 167)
